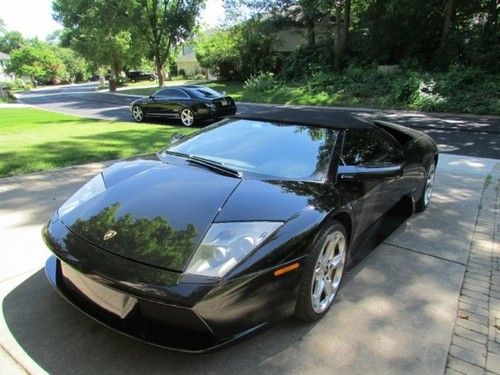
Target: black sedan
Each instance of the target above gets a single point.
(249, 220)
(187, 103)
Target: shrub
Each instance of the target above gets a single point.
(261, 82)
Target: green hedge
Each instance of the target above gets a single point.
(460, 90)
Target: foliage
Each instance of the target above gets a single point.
(35, 140)
(36, 60)
(11, 40)
(239, 52)
(99, 30)
(261, 82)
(76, 68)
(161, 25)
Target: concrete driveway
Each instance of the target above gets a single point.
(395, 313)
(469, 135)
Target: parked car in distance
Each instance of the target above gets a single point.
(188, 103)
(234, 226)
(139, 75)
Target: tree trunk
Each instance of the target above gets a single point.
(449, 12)
(337, 38)
(159, 71)
(311, 33)
(112, 84)
(346, 24)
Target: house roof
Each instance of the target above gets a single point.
(4, 56)
(325, 118)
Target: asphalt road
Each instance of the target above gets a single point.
(468, 135)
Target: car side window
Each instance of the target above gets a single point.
(172, 94)
(364, 147)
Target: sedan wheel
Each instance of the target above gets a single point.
(323, 274)
(425, 199)
(137, 113)
(187, 117)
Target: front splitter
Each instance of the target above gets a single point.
(135, 325)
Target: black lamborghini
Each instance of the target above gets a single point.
(186, 103)
(241, 223)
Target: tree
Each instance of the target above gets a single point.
(100, 31)
(36, 60)
(218, 51)
(10, 41)
(165, 24)
(76, 68)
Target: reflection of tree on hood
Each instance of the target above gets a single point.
(154, 239)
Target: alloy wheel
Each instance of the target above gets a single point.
(137, 113)
(187, 117)
(429, 184)
(328, 272)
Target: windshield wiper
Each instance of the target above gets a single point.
(214, 165)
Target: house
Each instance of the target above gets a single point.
(4, 76)
(187, 62)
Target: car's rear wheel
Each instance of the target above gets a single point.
(151, 78)
(137, 113)
(187, 117)
(425, 198)
(322, 273)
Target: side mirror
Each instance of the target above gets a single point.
(369, 172)
(176, 137)
(152, 97)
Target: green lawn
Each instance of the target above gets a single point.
(34, 140)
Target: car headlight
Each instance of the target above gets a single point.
(86, 192)
(225, 244)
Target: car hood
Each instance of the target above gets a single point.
(152, 212)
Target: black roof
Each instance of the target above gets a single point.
(321, 117)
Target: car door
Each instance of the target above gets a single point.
(364, 149)
(158, 102)
(178, 100)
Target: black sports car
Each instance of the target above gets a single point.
(187, 103)
(244, 222)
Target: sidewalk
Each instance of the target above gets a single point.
(475, 345)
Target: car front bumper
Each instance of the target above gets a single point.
(169, 311)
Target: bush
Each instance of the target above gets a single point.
(261, 82)
(460, 90)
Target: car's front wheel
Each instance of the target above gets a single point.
(322, 273)
(187, 117)
(137, 113)
(425, 198)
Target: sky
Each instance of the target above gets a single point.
(33, 18)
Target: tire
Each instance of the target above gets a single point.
(325, 264)
(151, 78)
(425, 198)
(132, 80)
(138, 113)
(187, 117)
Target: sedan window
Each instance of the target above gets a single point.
(259, 147)
(172, 94)
(364, 146)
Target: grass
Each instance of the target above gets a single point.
(34, 140)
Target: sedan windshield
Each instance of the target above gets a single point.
(276, 150)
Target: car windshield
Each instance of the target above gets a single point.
(276, 150)
(205, 92)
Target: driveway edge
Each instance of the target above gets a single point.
(475, 343)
